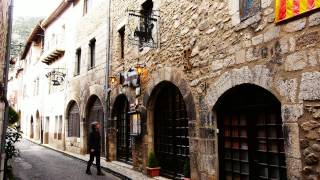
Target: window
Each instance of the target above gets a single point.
(121, 34)
(92, 47)
(78, 62)
(87, 6)
(74, 121)
(249, 8)
(60, 128)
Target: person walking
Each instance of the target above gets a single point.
(94, 148)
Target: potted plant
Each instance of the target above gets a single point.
(186, 170)
(153, 168)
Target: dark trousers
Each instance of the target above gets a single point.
(92, 155)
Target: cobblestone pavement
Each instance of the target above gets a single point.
(39, 163)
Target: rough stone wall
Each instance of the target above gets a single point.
(215, 51)
(4, 15)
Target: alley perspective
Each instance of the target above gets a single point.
(160, 89)
(37, 162)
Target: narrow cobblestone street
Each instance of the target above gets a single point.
(39, 163)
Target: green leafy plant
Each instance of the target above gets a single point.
(152, 160)
(186, 169)
(13, 116)
(13, 135)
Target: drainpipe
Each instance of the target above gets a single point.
(5, 89)
(106, 80)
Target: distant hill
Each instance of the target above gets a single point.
(22, 27)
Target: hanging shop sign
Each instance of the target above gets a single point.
(56, 76)
(143, 28)
(285, 9)
(130, 78)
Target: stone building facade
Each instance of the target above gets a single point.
(222, 86)
(213, 55)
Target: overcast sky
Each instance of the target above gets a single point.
(34, 8)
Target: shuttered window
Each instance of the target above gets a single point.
(74, 121)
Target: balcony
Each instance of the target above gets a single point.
(53, 53)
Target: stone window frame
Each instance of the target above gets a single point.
(92, 53)
(77, 64)
(236, 20)
(122, 40)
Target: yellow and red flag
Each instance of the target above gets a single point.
(286, 9)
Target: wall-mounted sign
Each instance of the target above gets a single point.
(144, 28)
(56, 76)
(285, 9)
(130, 78)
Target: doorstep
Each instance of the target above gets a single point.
(116, 168)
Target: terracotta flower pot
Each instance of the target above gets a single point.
(152, 172)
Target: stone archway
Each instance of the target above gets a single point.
(158, 80)
(251, 138)
(261, 76)
(95, 112)
(122, 139)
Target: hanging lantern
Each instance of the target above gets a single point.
(139, 68)
(112, 79)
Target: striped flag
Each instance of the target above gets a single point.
(286, 9)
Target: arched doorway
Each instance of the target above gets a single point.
(171, 141)
(31, 128)
(121, 117)
(95, 113)
(73, 120)
(251, 144)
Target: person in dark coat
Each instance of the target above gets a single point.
(94, 148)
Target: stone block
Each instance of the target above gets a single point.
(296, 25)
(294, 168)
(291, 113)
(257, 39)
(313, 57)
(272, 33)
(287, 88)
(296, 61)
(314, 19)
(265, 3)
(310, 86)
(233, 6)
(240, 56)
(217, 64)
(310, 125)
(291, 140)
(308, 39)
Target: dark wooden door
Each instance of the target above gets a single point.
(96, 114)
(251, 143)
(124, 152)
(171, 131)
